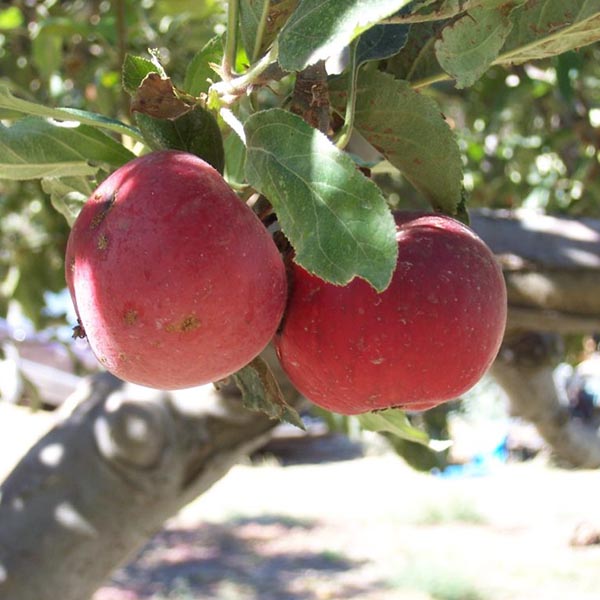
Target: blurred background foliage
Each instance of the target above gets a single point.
(529, 135)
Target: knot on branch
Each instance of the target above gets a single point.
(131, 432)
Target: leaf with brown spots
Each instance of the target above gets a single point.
(409, 130)
(261, 392)
(468, 47)
(536, 29)
(157, 97)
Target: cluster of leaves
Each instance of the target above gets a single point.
(335, 218)
(315, 89)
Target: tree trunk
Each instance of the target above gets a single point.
(524, 369)
(552, 271)
(551, 266)
(92, 491)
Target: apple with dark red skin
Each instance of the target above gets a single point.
(175, 281)
(428, 338)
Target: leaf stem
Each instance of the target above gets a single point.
(436, 78)
(260, 30)
(228, 91)
(233, 7)
(346, 132)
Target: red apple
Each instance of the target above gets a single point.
(175, 281)
(428, 338)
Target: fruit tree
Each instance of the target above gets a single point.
(271, 203)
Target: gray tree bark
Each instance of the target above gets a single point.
(524, 369)
(552, 272)
(93, 490)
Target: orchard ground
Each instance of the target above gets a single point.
(371, 528)
(338, 520)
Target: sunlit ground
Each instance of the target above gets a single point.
(372, 529)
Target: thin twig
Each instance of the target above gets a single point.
(229, 57)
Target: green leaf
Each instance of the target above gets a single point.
(334, 217)
(432, 10)
(395, 421)
(190, 9)
(261, 392)
(381, 41)
(252, 22)
(417, 62)
(34, 148)
(470, 45)
(421, 11)
(545, 28)
(235, 158)
(10, 102)
(196, 131)
(259, 32)
(135, 69)
(319, 29)
(68, 195)
(540, 29)
(409, 130)
(199, 71)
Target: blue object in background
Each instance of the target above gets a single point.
(482, 463)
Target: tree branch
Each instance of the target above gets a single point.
(101, 482)
(552, 271)
(524, 369)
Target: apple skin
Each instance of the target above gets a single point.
(428, 338)
(175, 281)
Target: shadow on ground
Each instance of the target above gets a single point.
(242, 559)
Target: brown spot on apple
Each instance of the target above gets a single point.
(105, 207)
(189, 323)
(102, 243)
(130, 317)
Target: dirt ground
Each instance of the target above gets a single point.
(370, 528)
